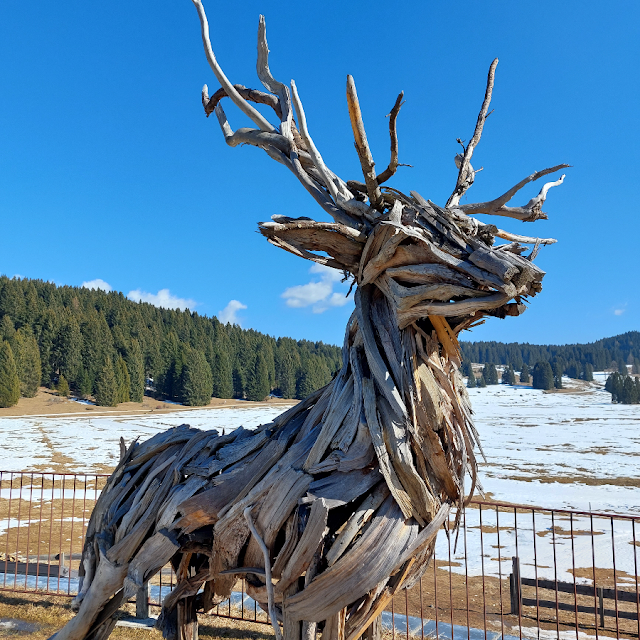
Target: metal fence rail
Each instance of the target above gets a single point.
(512, 571)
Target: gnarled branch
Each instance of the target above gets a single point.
(362, 146)
(252, 95)
(238, 100)
(466, 173)
(393, 134)
(530, 211)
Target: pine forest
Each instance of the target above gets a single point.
(103, 345)
(98, 344)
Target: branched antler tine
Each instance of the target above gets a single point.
(530, 211)
(393, 134)
(362, 146)
(275, 145)
(313, 151)
(465, 173)
(542, 196)
(259, 97)
(205, 98)
(514, 237)
(270, 83)
(262, 65)
(242, 104)
(504, 198)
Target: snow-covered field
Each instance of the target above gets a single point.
(85, 444)
(573, 449)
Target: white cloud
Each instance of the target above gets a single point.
(618, 312)
(318, 294)
(164, 298)
(97, 284)
(229, 313)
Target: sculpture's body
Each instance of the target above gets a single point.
(334, 506)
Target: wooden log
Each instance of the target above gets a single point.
(306, 548)
(374, 630)
(108, 579)
(374, 359)
(396, 441)
(334, 626)
(290, 541)
(291, 629)
(332, 420)
(386, 469)
(338, 488)
(204, 508)
(154, 554)
(356, 522)
(344, 582)
(275, 509)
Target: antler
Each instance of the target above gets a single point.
(531, 211)
(288, 144)
(466, 173)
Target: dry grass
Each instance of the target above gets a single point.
(43, 615)
(49, 403)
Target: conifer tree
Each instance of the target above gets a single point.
(558, 369)
(222, 373)
(12, 301)
(46, 332)
(481, 382)
(63, 386)
(314, 375)
(471, 383)
(123, 381)
(106, 393)
(8, 331)
(67, 348)
(27, 357)
(84, 384)
(239, 382)
(258, 380)
(168, 379)
(287, 366)
(490, 373)
(197, 381)
(135, 367)
(588, 372)
(525, 374)
(466, 369)
(9, 381)
(97, 345)
(542, 375)
(509, 376)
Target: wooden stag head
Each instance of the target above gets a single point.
(428, 261)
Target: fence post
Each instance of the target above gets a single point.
(601, 605)
(142, 601)
(60, 567)
(515, 586)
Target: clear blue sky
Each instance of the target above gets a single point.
(109, 169)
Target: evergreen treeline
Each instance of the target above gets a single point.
(106, 346)
(623, 388)
(608, 353)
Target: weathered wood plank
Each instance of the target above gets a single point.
(307, 546)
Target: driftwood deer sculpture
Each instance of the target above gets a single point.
(334, 506)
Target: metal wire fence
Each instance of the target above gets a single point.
(511, 571)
